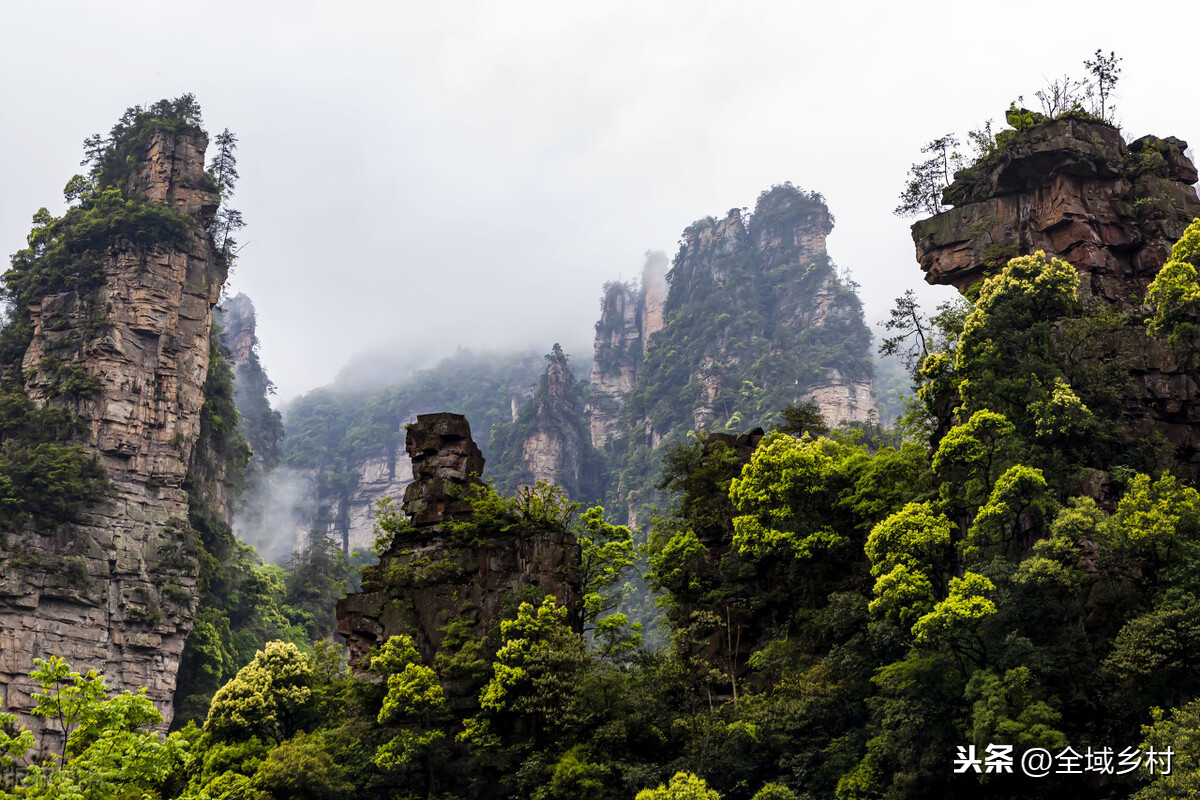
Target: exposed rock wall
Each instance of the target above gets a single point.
(653, 293)
(842, 400)
(238, 322)
(116, 593)
(629, 316)
(260, 425)
(1075, 190)
(388, 474)
(771, 277)
(549, 440)
(429, 576)
(752, 317)
(554, 453)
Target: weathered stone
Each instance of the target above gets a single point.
(556, 445)
(629, 317)
(445, 459)
(93, 593)
(428, 578)
(1074, 190)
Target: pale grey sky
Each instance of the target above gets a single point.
(444, 174)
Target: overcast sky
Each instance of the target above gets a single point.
(429, 175)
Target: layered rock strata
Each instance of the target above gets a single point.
(1075, 190)
(432, 575)
(117, 591)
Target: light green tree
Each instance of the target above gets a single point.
(415, 702)
(1175, 294)
(971, 456)
(1007, 710)
(917, 536)
(1005, 352)
(774, 791)
(108, 750)
(298, 769)
(1179, 731)
(910, 554)
(606, 552)
(954, 623)
(683, 786)
(1019, 493)
(780, 496)
(269, 697)
(535, 676)
(1157, 517)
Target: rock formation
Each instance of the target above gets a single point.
(344, 451)
(756, 318)
(261, 426)
(550, 452)
(629, 316)
(549, 440)
(1075, 190)
(431, 575)
(238, 322)
(116, 592)
(748, 293)
(842, 400)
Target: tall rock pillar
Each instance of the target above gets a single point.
(116, 592)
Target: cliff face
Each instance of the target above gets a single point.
(238, 322)
(547, 451)
(758, 291)
(549, 440)
(1075, 190)
(430, 576)
(628, 317)
(260, 425)
(756, 318)
(141, 344)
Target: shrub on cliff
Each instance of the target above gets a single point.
(106, 746)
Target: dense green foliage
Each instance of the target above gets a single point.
(106, 748)
(843, 618)
(44, 478)
(1175, 295)
(244, 604)
(845, 615)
